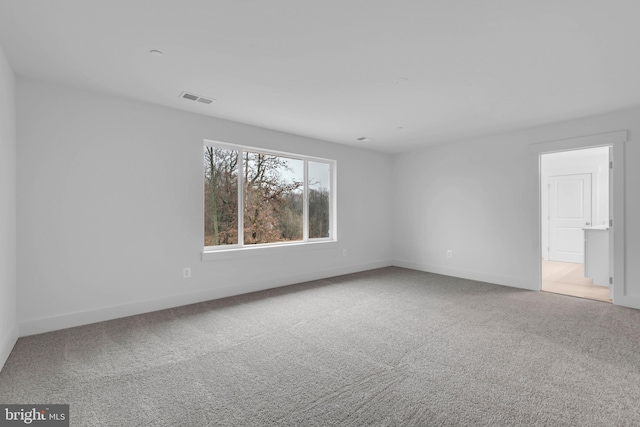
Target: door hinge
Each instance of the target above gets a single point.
(611, 280)
(610, 165)
(610, 223)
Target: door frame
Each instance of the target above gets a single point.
(615, 140)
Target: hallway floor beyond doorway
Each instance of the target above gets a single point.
(567, 278)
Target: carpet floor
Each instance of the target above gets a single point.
(388, 347)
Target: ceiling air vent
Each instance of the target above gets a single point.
(198, 98)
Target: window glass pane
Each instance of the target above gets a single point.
(319, 209)
(220, 196)
(273, 198)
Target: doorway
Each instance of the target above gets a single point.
(575, 213)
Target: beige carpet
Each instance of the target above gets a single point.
(389, 347)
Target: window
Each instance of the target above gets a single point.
(257, 197)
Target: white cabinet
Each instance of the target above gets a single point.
(596, 254)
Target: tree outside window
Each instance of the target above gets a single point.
(270, 200)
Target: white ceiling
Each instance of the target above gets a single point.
(328, 69)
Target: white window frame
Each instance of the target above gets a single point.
(214, 252)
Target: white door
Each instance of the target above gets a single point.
(569, 211)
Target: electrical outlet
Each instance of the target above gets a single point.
(186, 272)
(344, 252)
(449, 253)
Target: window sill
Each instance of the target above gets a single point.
(221, 254)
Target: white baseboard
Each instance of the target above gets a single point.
(6, 344)
(48, 324)
(513, 282)
(69, 320)
(624, 301)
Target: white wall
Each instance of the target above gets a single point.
(8, 324)
(479, 199)
(110, 209)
